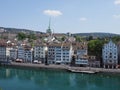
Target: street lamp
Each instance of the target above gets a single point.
(46, 56)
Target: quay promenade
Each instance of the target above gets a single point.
(63, 67)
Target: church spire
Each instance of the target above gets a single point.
(49, 23)
(49, 27)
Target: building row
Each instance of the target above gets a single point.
(56, 53)
(61, 53)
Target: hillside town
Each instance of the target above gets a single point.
(53, 51)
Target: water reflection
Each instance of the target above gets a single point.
(59, 79)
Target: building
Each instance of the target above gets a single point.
(39, 52)
(60, 53)
(51, 53)
(13, 54)
(28, 54)
(110, 55)
(2, 50)
(81, 53)
(82, 61)
(20, 52)
(118, 52)
(8, 48)
(67, 52)
(93, 62)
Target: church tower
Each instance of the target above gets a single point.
(48, 31)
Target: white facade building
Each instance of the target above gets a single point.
(8, 48)
(110, 55)
(39, 52)
(81, 57)
(67, 53)
(81, 52)
(81, 61)
(60, 53)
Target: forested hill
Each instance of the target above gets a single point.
(98, 34)
(16, 30)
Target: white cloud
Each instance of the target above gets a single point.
(54, 13)
(117, 2)
(83, 19)
(117, 16)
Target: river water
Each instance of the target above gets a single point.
(27, 79)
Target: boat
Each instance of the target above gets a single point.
(81, 71)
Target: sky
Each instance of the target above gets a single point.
(75, 16)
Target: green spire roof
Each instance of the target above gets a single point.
(49, 28)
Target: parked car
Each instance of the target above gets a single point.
(19, 60)
(37, 62)
(118, 66)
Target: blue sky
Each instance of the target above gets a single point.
(73, 16)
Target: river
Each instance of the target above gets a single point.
(29, 79)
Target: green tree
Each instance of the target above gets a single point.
(73, 61)
(95, 47)
(32, 36)
(78, 38)
(21, 36)
(63, 38)
(90, 38)
(116, 39)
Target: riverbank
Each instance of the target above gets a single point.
(62, 67)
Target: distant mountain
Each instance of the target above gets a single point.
(16, 30)
(98, 34)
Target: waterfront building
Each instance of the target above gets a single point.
(60, 53)
(8, 48)
(28, 54)
(93, 62)
(81, 53)
(83, 61)
(13, 54)
(51, 53)
(54, 51)
(67, 52)
(21, 52)
(110, 55)
(118, 52)
(39, 52)
(2, 50)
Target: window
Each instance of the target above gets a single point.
(106, 56)
(110, 55)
